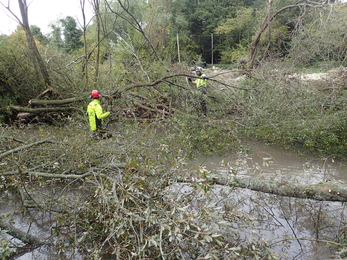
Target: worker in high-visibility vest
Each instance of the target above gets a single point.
(201, 84)
(96, 115)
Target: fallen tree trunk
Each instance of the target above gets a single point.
(47, 174)
(325, 191)
(39, 102)
(21, 235)
(40, 110)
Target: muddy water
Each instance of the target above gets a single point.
(295, 228)
(38, 223)
(263, 160)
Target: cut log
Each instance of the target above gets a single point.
(38, 102)
(40, 110)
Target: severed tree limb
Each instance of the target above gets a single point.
(165, 80)
(47, 174)
(58, 175)
(13, 139)
(24, 147)
(325, 191)
(21, 235)
(38, 102)
(148, 106)
(41, 109)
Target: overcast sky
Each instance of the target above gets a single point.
(42, 13)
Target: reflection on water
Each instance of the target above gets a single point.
(278, 163)
(37, 222)
(294, 227)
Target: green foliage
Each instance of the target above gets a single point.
(38, 35)
(296, 115)
(56, 39)
(19, 79)
(235, 55)
(72, 35)
(198, 20)
(66, 36)
(322, 39)
(119, 207)
(5, 249)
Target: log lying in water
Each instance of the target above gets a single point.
(324, 191)
(21, 235)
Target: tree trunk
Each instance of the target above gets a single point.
(325, 191)
(96, 6)
(36, 102)
(24, 147)
(19, 234)
(40, 110)
(31, 42)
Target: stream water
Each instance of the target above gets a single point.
(296, 228)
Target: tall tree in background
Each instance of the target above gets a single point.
(38, 35)
(72, 35)
(56, 39)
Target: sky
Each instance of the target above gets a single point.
(42, 13)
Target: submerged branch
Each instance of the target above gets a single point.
(21, 235)
(325, 191)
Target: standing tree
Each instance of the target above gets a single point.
(24, 22)
(72, 35)
(98, 18)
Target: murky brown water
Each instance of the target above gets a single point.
(294, 227)
(275, 162)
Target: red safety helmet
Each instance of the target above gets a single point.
(95, 94)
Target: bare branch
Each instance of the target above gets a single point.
(135, 24)
(24, 147)
(164, 80)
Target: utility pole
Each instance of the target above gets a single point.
(212, 49)
(178, 49)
